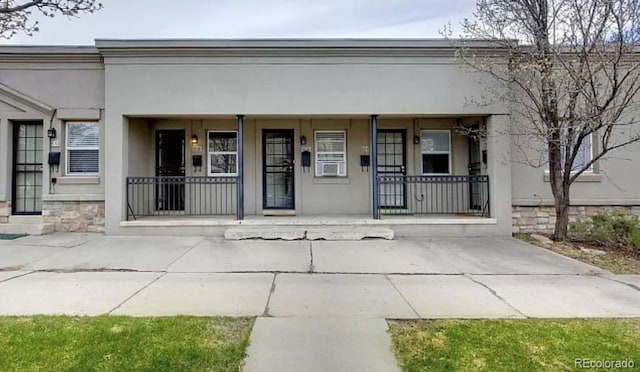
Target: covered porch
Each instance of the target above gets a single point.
(388, 168)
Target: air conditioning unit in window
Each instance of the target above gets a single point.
(330, 169)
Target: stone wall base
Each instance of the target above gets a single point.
(542, 219)
(74, 216)
(5, 211)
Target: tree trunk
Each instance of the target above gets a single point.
(562, 216)
(559, 187)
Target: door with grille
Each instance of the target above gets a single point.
(170, 170)
(277, 169)
(392, 162)
(27, 168)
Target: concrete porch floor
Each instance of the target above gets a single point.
(296, 227)
(362, 219)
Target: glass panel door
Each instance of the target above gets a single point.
(277, 167)
(170, 168)
(27, 168)
(392, 162)
(475, 169)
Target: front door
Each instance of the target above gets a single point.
(392, 162)
(170, 162)
(277, 168)
(27, 168)
(475, 169)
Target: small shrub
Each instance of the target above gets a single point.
(634, 239)
(609, 229)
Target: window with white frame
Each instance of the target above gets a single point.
(83, 148)
(331, 153)
(435, 146)
(583, 156)
(223, 153)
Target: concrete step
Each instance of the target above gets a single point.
(26, 219)
(265, 232)
(27, 228)
(349, 232)
(308, 232)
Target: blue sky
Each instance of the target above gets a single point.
(131, 19)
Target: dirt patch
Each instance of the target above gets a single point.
(616, 259)
(11, 268)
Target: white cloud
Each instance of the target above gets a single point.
(130, 19)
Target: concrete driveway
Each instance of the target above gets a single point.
(481, 256)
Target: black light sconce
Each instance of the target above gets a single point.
(416, 140)
(303, 140)
(194, 139)
(51, 133)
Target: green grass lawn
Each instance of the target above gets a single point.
(512, 345)
(110, 343)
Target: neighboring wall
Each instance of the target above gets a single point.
(68, 82)
(612, 185)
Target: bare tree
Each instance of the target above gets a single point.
(571, 79)
(15, 14)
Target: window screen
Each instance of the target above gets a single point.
(331, 155)
(583, 157)
(83, 148)
(223, 153)
(436, 151)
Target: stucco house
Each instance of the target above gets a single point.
(193, 136)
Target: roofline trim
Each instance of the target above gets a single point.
(25, 99)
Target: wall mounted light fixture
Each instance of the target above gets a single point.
(194, 139)
(416, 140)
(303, 140)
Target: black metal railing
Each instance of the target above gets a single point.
(410, 195)
(181, 196)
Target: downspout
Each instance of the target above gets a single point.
(374, 167)
(240, 181)
(51, 183)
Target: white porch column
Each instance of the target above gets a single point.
(499, 170)
(116, 159)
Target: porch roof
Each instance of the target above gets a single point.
(289, 47)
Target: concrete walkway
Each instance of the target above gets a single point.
(321, 305)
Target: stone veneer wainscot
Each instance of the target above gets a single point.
(5, 211)
(542, 219)
(74, 216)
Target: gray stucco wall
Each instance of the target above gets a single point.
(614, 180)
(288, 92)
(137, 91)
(69, 83)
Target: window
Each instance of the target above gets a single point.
(583, 157)
(435, 146)
(223, 153)
(83, 148)
(331, 153)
